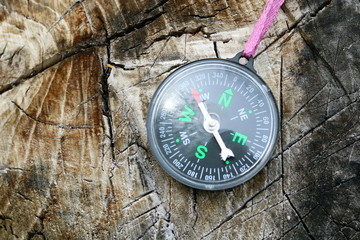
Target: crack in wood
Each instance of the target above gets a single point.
(10, 59)
(311, 130)
(89, 99)
(178, 34)
(131, 28)
(47, 63)
(148, 229)
(31, 235)
(357, 139)
(265, 210)
(241, 208)
(4, 217)
(216, 49)
(298, 23)
(119, 65)
(336, 53)
(320, 8)
(300, 218)
(108, 125)
(210, 15)
(295, 225)
(169, 70)
(66, 12)
(23, 196)
(293, 27)
(328, 103)
(317, 54)
(138, 198)
(159, 53)
(58, 125)
(3, 50)
(87, 45)
(40, 232)
(307, 102)
(87, 15)
(140, 215)
(5, 169)
(160, 4)
(194, 206)
(339, 223)
(202, 17)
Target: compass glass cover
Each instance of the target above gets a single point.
(204, 109)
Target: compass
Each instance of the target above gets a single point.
(213, 124)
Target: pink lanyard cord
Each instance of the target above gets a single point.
(262, 26)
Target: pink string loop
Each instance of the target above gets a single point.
(262, 26)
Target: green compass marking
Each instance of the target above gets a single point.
(201, 151)
(250, 111)
(226, 97)
(186, 114)
(200, 90)
(177, 140)
(227, 162)
(239, 138)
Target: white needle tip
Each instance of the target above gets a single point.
(226, 153)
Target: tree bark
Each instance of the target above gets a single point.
(76, 78)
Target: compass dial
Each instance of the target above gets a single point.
(212, 124)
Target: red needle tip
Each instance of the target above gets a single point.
(196, 95)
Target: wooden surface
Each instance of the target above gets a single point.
(76, 78)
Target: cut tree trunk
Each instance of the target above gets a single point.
(76, 78)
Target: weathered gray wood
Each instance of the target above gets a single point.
(76, 78)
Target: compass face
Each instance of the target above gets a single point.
(212, 124)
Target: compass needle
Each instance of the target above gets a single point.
(211, 125)
(196, 95)
(225, 152)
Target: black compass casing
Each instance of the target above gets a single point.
(240, 103)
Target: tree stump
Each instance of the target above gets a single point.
(76, 78)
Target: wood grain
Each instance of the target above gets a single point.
(76, 78)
